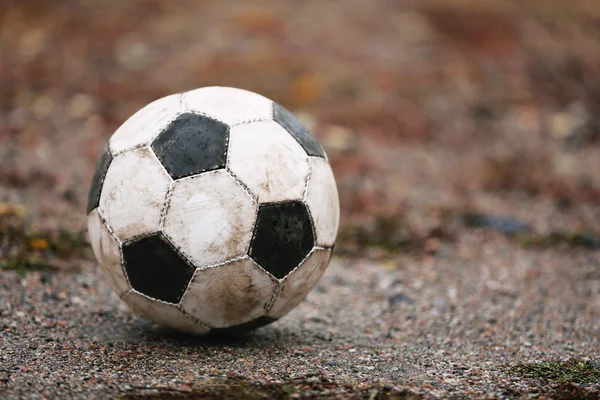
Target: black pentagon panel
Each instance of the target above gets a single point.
(283, 236)
(156, 269)
(192, 144)
(243, 328)
(98, 180)
(291, 124)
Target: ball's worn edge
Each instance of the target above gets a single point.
(95, 191)
(285, 118)
(165, 206)
(188, 316)
(244, 327)
(120, 242)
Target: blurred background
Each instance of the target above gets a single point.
(439, 117)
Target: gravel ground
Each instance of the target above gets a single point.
(444, 326)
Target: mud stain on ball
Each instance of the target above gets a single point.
(210, 217)
(229, 294)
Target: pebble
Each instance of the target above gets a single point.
(507, 225)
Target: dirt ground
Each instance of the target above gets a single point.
(465, 140)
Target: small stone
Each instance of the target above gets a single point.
(593, 363)
(507, 225)
(400, 298)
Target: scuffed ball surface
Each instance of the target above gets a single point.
(213, 210)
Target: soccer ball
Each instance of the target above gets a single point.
(213, 210)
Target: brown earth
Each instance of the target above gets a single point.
(465, 139)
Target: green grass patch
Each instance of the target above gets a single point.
(24, 264)
(553, 239)
(572, 371)
(23, 248)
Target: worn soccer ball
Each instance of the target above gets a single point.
(213, 210)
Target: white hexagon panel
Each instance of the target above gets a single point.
(210, 218)
(269, 161)
(133, 193)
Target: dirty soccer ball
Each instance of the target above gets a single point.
(213, 210)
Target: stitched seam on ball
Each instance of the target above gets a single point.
(256, 209)
(148, 143)
(300, 264)
(108, 227)
(121, 255)
(254, 227)
(153, 153)
(210, 266)
(187, 288)
(247, 251)
(153, 299)
(139, 237)
(190, 263)
(239, 182)
(249, 121)
(201, 113)
(308, 177)
(165, 206)
(179, 250)
(312, 224)
(273, 299)
(112, 158)
(126, 293)
(185, 258)
(273, 277)
(134, 148)
(196, 321)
